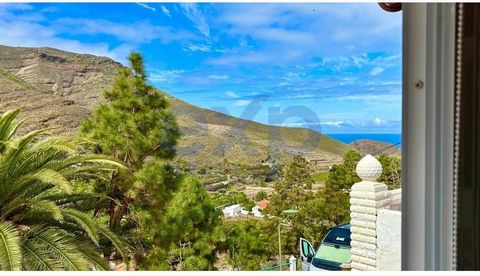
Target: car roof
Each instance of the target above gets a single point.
(343, 226)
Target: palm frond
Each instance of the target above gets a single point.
(21, 143)
(10, 253)
(96, 261)
(21, 208)
(63, 248)
(121, 246)
(78, 160)
(52, 177)
(58, 144)
(54, 227)
(48, 207)
(81, 202)
(84, 221)
(6, 128)
(37, 258)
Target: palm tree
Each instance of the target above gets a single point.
(44, 224)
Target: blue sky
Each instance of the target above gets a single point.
(335, 68)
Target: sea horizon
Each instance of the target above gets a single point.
(347, 138)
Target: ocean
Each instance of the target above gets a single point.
(347, 138)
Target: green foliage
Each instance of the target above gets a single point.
(317, 212)
(298, 173)
(185, 240)
(44, 224)
(320, 176)
(337, 189)
(133, 126)
(136, 127)
(342, 177)
(261, 196)
(249, 244)
(134, 123)
(10, 253)
(290, 192)
(232, 197)
(392, 171)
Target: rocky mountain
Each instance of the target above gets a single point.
(366, 146)
(58, 89)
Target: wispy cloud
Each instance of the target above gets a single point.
(17, 31)
(349, 125)
(122, 31)
(219, 77)
(145, 6)
(197, 48)
(377, 121)
(231, 94)
(166, 11)
(377, 70)
(242, 102)
(165, 75)
(193, 12)
(326, 57)
(293, 32)
(19, 21)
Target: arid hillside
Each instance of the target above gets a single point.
(58, 89)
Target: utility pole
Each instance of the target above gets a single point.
(279, 248)
(287, 212)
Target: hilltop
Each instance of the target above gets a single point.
(58, 89)
(366, 146)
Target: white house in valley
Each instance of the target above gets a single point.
(232, 210)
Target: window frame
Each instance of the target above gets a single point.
(427, 135)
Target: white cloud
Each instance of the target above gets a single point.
(373, 98)
(231, 94)
(293, 32)
(166, 11)
(192, 12)
(6, 8)
(197, 48)
(122, 31)
(19, 34)
(219, 77)
(23, 26)
(242, 102)
(334, 124)
(165, 75)
(143, 5)
(377, 70)
(377, 121)
(204, 48)
(236, 59)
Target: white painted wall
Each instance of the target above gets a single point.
(232, 210)
(256, 212)
(389, 240)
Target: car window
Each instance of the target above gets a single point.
(340, 236)
(332, 254)
(306, 248)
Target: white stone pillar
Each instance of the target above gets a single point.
(293, 263)
(366, 197)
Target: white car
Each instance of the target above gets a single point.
(333, 252)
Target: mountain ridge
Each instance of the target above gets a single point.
(58, 89)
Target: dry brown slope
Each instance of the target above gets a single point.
(59, 89)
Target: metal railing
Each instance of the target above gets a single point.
(285, 266)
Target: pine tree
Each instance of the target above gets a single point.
(135, 126)
(392, 170)
(189, 229)
(290, 191)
